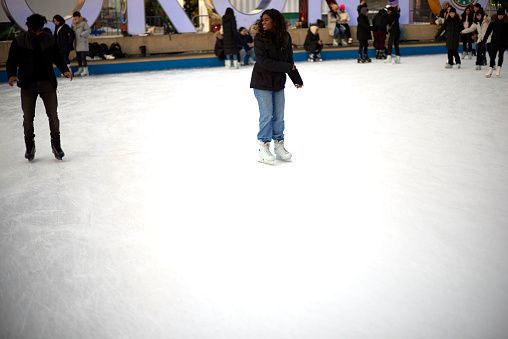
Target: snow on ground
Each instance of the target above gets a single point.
(391, 221)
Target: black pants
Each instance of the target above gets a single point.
(364, 44)
(81, 59)
(453, 53)
(314, 48)
(480, 55)
(495, 48)
(65, 55)
(393, 40)
(29, 95)
(467, 43)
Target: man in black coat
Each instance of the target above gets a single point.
(30, 63)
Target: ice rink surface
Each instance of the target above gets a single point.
(391, 221)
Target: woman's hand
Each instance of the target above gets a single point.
(298, 85)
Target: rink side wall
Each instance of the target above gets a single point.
(201, 46)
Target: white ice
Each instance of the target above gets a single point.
(391, 222)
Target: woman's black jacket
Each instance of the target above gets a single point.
(311, 41)
(21, 58)
(453, 28)
(64, 36)
(272, 64)
(230, 34)
(363, 29)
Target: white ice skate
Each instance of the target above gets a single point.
(388, 60)
(265, 156)
(280, 152)
(79, 71)
(397, 59)
(85, 72)
(489, 72)
(498, 71)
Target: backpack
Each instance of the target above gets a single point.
(116, 51)
(103, 49)
(93, 49)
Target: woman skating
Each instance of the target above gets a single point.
(274, 56)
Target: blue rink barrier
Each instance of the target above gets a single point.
(209, 60)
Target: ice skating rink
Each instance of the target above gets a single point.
(391, 222)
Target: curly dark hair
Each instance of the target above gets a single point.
(36, 21)
(280, 25)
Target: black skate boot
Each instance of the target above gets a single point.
(366, 58)
(57, 149)
(30, 150)
(360, 59)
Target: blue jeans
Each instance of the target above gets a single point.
(271, 114)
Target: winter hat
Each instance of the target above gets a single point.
(453, 10)
(314, 29)
(342, 7)
(364, 11)
(393, 3)
(501, 11)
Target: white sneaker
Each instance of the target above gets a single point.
(489, 73)
(228, 63)
(265, 156)
(344, 43)
(335, 43)
(498, 71)
(280, 152)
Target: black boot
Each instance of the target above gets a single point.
(360, 59)
(57, 149)
(30, 150)
(366, 58)
(377, 55)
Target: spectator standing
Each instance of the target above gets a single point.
(313, 44)
(64, 36)
(230, 38)
(363, 4)
(480, 25)
(453, 26)
(274, 54)
(499, 40)
(82, 31)
(30, 63)
(379, 24)
(363, 34)
(467, 40)
(394, 30)
(244, 39)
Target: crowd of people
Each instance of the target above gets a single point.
(474, 27)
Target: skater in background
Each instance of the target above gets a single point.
(363, 35)
(480, 25)
(313, 44)
(81, 31)
(379, 24)
(499, 40)
(453, 26)
(443, 14)
(30, 63)
(274, 54)
(230, 38)
(467, 41)
(64, 36)
(244, 41)
(363, 4)
(394, 30)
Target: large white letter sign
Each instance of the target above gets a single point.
(175, 12)
(18, 10)
(248, 19)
